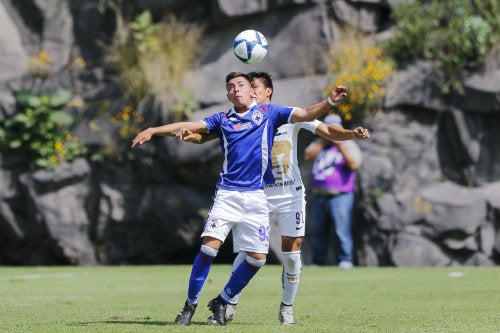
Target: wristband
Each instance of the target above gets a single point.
(330, 101)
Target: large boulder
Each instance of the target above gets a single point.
(148, 205)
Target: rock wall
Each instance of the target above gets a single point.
(428, 191)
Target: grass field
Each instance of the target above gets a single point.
(147, 299)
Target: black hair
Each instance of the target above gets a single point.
(232, 75)
(265, 77)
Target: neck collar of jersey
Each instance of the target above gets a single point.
(233, 111)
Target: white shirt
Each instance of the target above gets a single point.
(285, 167)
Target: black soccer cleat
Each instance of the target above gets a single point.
(184, 317)
(218, 308)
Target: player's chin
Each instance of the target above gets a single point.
(239, 101)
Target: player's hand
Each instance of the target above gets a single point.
(180, 133)
(360, 133)
(191, 137)
(338, 94)
(142, 137)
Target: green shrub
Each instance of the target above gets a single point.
(459, 34)
(152, 58)
(363, 68)
(40, 129)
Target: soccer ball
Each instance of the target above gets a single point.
(250, 46)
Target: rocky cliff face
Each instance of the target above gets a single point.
(428, 191)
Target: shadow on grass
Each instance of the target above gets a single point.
(135, 322)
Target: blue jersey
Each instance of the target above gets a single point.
(246, 140)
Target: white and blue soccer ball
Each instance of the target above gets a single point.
(250, 46)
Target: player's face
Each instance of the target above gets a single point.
(262, 93)
(239, 91)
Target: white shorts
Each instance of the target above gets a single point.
(246, 213)
(289, 215)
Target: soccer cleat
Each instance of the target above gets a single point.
(286, 315)
(218, 308)
(212, 321)
(184, 317)
(230, 311)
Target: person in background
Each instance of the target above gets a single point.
(333, 181)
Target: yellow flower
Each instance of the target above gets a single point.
(81, 62)
(44, 57)
(59, 146)
(363, 70)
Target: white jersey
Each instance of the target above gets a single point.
(288, 185)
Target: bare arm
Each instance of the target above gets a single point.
(313, 150)
(314, 111)
(197, 138)
(349, 160)
(338, 133)
(169, 130)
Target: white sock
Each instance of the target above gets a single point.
(237, 261)
(208, 250)
(292, 267)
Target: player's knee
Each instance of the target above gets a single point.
(292, 263)
(209, 250)
(255, 262)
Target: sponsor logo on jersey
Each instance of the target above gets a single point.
(282, 130)
(288, 182)
(257, 117)
(242, 126)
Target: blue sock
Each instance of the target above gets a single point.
(199, 272)
(241, 276)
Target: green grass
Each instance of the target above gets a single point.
(147, 299)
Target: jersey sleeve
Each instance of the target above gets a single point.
(282, 114)
(213, 122)
(310, 125)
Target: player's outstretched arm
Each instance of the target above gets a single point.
(338, 133)
(317, 110)
(198, 138)
(169, 130)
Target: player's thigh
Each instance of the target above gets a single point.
(228, 205)
(253, 232)
(292, 221)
